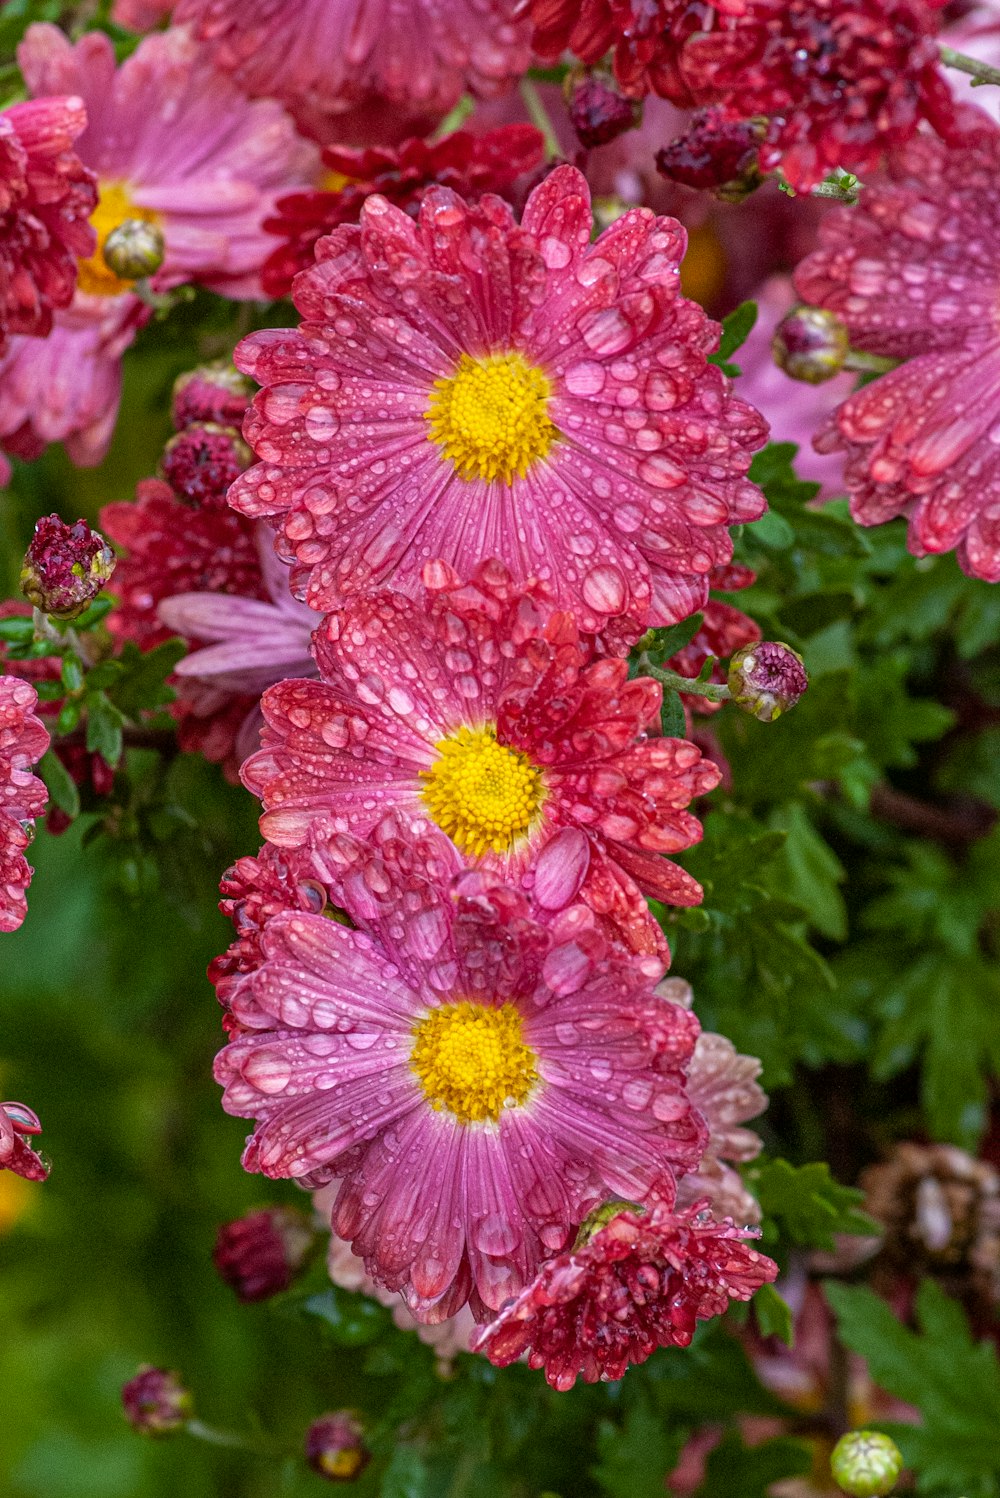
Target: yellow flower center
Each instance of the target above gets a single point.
(492, 416)
(473, 1060)
(481, 793)
(114, 206)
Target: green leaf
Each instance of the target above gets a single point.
(72, 673)
(774, 1315)
(952, 1380)
(773, 531)
(672, 720)
(17, 630)
(94, 613)
(806, 1204)
(407, 1475)
(737, 1471)
(814, 871)
(352, 1320)
(142, 684)
(61, 785)
(637, 1455)
(736, 328)
(104, 727)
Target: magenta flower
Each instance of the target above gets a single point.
(463, 387)
(23, 741)
(482, 710)
(330, 56)
(914, 271)
(46, 197)
(18, 1123)
(477, 1081)
(641, 1282)
(172, 142)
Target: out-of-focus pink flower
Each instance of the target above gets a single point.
(641, 1282)
(46, 197)
(470, 164)
(261, 1253)
(409, 58)
(914, 272)
(441, 1060)
(18, 1123)
(546, 400)
(480, 708)
(140, 15)
(23, 741)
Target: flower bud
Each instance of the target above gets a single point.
(65, 567)
(259, 1255)
(810, 344)
(601, 1216)
(156, 1402)
(766, 679)
(135, 249)
(866, 1464)
(334, 1447)
(202, 461)
(213, 393)
(597, 111)
(716, 154)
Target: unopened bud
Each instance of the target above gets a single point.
(259, 1255)
(810, 344)
(716, 154)
(135, 249)
(202, 461)
(600, 1217)
(334, 1447)
(156, 1402)
(866, 1464)
(766, 679)
(65, 567)
(598, 112)
(214, 393)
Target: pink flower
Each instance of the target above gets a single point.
(477, 1081)
(247, 644)
(140, 15)
(641, 1282)
(463, 387)
(482, 709)
(172, 142)
(329, 56)
(46, 197)
(914, 272)
(23, 741)
(16, 1122)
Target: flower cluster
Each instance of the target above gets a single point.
(23, 741)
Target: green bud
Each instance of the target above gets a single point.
(866, 1464)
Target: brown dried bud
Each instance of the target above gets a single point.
(334, 1447)
(65, 567)
(766, 679)
(810, 344)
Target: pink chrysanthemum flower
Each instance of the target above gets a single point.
(17, 1125)
(481, 709)
(914, 271)
(414, 56)
(173, 143)
(639, 1283)
(479, 1082)
(463, 387)
(23, 741)
(46, 197)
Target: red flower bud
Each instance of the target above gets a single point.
(334, 1447)
(212, 392)
(156, 1402)
(260, 1254)
(810, 344)
(717, 153)
(202, 461)
(766, 679)
(598, 112)
(65, 567)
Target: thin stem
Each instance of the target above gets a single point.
(540, 117)
(869, 363)
(979, 72)
(844, 192)
(455, 118)
(714, 691)
(231, 1439)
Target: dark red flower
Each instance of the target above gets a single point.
(213, 393)
(65, 567)
(641, 1282)
(470, 164)
(156, 1402)
(717, 153)
(259, 1255)
(201, 462)
(598, 112)
(16, 1154)
(46, 198)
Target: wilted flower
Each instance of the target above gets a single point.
(866, 1464)
(260, 1254)
(156, 1402)
(65, 567)
(335, 1448)
(766, 679)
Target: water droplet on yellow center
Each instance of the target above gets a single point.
(484, 795)
(114, 206)
(472, 1060)
(492, 416)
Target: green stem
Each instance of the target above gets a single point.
(868, 363)
(843, 192)
(979, 72)
(714, 691)
(455, 118)
(231, 1440)
(540, 118)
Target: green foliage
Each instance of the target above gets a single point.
(738, 1471)
(953, 1381)
(736, 329)
(805, 1205)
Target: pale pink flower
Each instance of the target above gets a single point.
(477, 1081)
(464, 387)
(23, 741)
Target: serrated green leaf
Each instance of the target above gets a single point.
(672, 720)
(636, 1456)
(806, 1204)
(736, 329)
(105, 723)
(737, 1471)
(774, 1315)
(142, 685)
(773, 531)
(815, 873)
(71, 673)
(61, 785)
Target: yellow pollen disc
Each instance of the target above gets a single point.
(473, 1060)
(482, 794)
(114, 206)
(492, 416)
